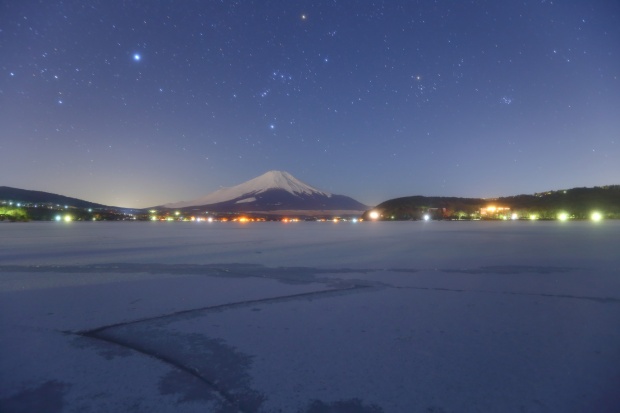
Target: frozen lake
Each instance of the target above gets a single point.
(371, 317)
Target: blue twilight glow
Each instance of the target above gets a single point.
(140, 103)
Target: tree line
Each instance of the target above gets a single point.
(578, 203)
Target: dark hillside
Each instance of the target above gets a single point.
(577, 202)
(39, 197)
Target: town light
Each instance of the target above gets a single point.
(427, 217)
(563, 216)
(514, 216)
(596, 216)
(373, 215)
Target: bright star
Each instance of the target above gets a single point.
(137, 57)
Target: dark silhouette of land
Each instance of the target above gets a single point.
(576, 203)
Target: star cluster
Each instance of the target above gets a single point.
(141, 103)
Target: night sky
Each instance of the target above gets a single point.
(139, 103)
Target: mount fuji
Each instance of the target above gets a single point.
(272, 191)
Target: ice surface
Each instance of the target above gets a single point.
(310, 317)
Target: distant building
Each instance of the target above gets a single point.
(494, 211)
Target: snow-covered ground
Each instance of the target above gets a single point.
(310, 317)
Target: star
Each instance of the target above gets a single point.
(347, 75)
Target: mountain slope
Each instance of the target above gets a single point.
(578, 202)
(8, 193)
(272, 191)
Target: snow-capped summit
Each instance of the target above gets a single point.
(273, 190)
(279, 180)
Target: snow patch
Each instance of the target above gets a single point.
(243, 201)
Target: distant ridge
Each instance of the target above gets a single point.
(8, 193)
(272, 191)
(277, 191)
(578, 202)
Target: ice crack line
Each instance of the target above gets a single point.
(238, 304)
(222, 394)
